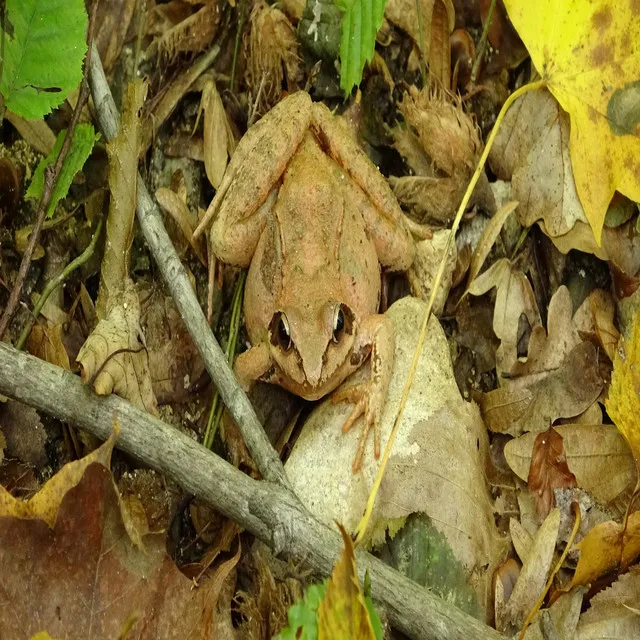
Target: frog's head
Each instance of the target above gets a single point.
(310, 345)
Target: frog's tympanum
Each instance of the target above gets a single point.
(304, 208)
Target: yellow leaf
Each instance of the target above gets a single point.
(588, 54)
(343, 615)
(623, 403)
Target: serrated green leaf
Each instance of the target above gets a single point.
(84, 138)
(44, 48)
(360, 23)
(303, 615)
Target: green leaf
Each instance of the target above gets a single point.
(44, 48)
(360, 23)
(303, 615)
(81, 146)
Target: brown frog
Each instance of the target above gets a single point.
(304, 208)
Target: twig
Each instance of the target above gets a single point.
(179, 285)
(54, 283)
(266, 509)
(51, 174)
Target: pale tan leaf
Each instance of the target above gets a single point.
(36, 132)
(216, 153)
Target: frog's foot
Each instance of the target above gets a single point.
(368, 406)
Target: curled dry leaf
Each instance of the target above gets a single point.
(441, 145)
(217, 133)
(533, 576)
(613, 613)
(548, 471)
(176, 207)
(114, 357)
(597, 455)
(605, 549)
(272, 56)
(514, 300)
(532, 150)
(594, 320)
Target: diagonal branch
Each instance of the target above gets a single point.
(266, 509)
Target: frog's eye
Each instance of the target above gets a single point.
(342, 321)
(280, 333)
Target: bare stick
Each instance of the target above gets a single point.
(266, 509)
(177, 281)
(51, 174)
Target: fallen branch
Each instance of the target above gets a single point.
(179, 285)
(266, 509)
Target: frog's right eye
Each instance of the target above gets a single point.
(280, 333)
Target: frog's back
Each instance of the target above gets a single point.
(324, 244)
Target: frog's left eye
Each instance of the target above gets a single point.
(280, 333)
(342, 321)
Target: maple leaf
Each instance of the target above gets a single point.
(623, 402)
(589, 57)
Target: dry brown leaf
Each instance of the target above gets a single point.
(548, 471)
(112, 22)
(533, 402)
(442, 163)
(603, 550)
(36, 132)
(24, 434)
(89, 578)
(613, 613)
(46, 343)
(272, 56)
(562, 615)
(488, 238)
(532, 150)
(595, 321)
(174, 360)
(177, 208)
(216, 152)
(619, 245)
(514, 299)
(597, 454)
(533, 575)
(114, 357)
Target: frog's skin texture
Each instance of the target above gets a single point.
(303, 208)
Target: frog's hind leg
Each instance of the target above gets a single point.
(260, 159)
(383, 218)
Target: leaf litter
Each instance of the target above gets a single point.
(537, 354)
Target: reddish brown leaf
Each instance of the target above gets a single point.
(548, 471)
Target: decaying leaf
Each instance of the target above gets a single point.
(216, 134)
(548, 470)
(90, 578)
(587, 54)
(623, 403)
(514, 300)
(533, 575)
(613, 613)
(343, 612)
(532, 150)
(597, 454)
(605, 549)
(442, 163)
(595, 321)
(24, 434)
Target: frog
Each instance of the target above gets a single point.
(302, 207)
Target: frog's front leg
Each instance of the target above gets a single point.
(375, 336)
(252, 365)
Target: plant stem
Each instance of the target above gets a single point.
(423, 53)
(532, 86)
(54, 283)
(482, 45)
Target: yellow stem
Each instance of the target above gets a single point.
(362, 525)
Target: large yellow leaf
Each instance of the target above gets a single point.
(623, 402)
(588, 54)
